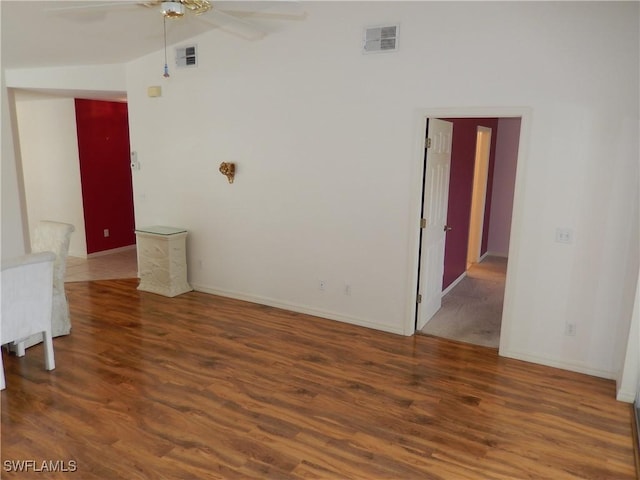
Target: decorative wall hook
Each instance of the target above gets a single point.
(228, 169)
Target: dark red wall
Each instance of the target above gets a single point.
(107, 193)
(463, 155)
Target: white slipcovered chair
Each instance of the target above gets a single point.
(53, 237)
(27, 296)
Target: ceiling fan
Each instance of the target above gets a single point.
(231, 16)
(175, 9)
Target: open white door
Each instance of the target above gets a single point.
(436, 195)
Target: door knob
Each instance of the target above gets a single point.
(447, 228)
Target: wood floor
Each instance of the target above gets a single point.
(200, 387)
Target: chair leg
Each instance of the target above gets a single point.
(49, 361)
(2, 384)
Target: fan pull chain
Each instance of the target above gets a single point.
(166, 65)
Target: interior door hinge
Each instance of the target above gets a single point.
(423, 223)
(419, 299)
(427, 143)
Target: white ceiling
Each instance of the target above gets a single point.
(49, 33)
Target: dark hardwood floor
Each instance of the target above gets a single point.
(199, 387)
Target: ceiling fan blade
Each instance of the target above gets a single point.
(233, 25)
(283, 10)
(93, 5)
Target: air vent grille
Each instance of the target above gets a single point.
(186, 56)
(380, 39)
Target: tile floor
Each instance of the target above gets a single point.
(123, 264)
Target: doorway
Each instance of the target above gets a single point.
(479, 195)
(107, 191)
(52, 181)
(502, 209)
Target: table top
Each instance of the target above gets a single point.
(161, 230)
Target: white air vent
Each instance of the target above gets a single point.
(186, 56)
(380, 39)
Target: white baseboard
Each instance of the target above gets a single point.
(558, 363)
(113, 250)
(454, 283)
(496, 254)
(398, 330)
(626, 396)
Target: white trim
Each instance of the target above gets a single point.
(453, 284)
(113, 250)
(415, 206)
(298, 308)
(559, 363)
(626, 396)
(495, 254)
(627, 386)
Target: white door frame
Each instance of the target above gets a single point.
(417, 167)
(479, 193)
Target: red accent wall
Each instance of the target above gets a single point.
(107, 192)
(463, 153)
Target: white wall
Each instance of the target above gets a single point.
(504, 178)
(50, 163)
(81, 81)
(13, 228)
(323, 137)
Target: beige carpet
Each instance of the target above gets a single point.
(472, 311)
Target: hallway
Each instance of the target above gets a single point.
(472, 311)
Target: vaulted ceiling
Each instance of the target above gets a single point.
(57, 33)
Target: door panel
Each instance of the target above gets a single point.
(107, 192)
(436, 193)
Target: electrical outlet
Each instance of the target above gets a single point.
(347, 289)
(106, 232)
(322, 285)
(570, 329)
(564, 235)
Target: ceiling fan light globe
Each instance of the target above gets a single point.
(198, 7)
(172, 9)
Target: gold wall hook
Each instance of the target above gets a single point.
(228, 169)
